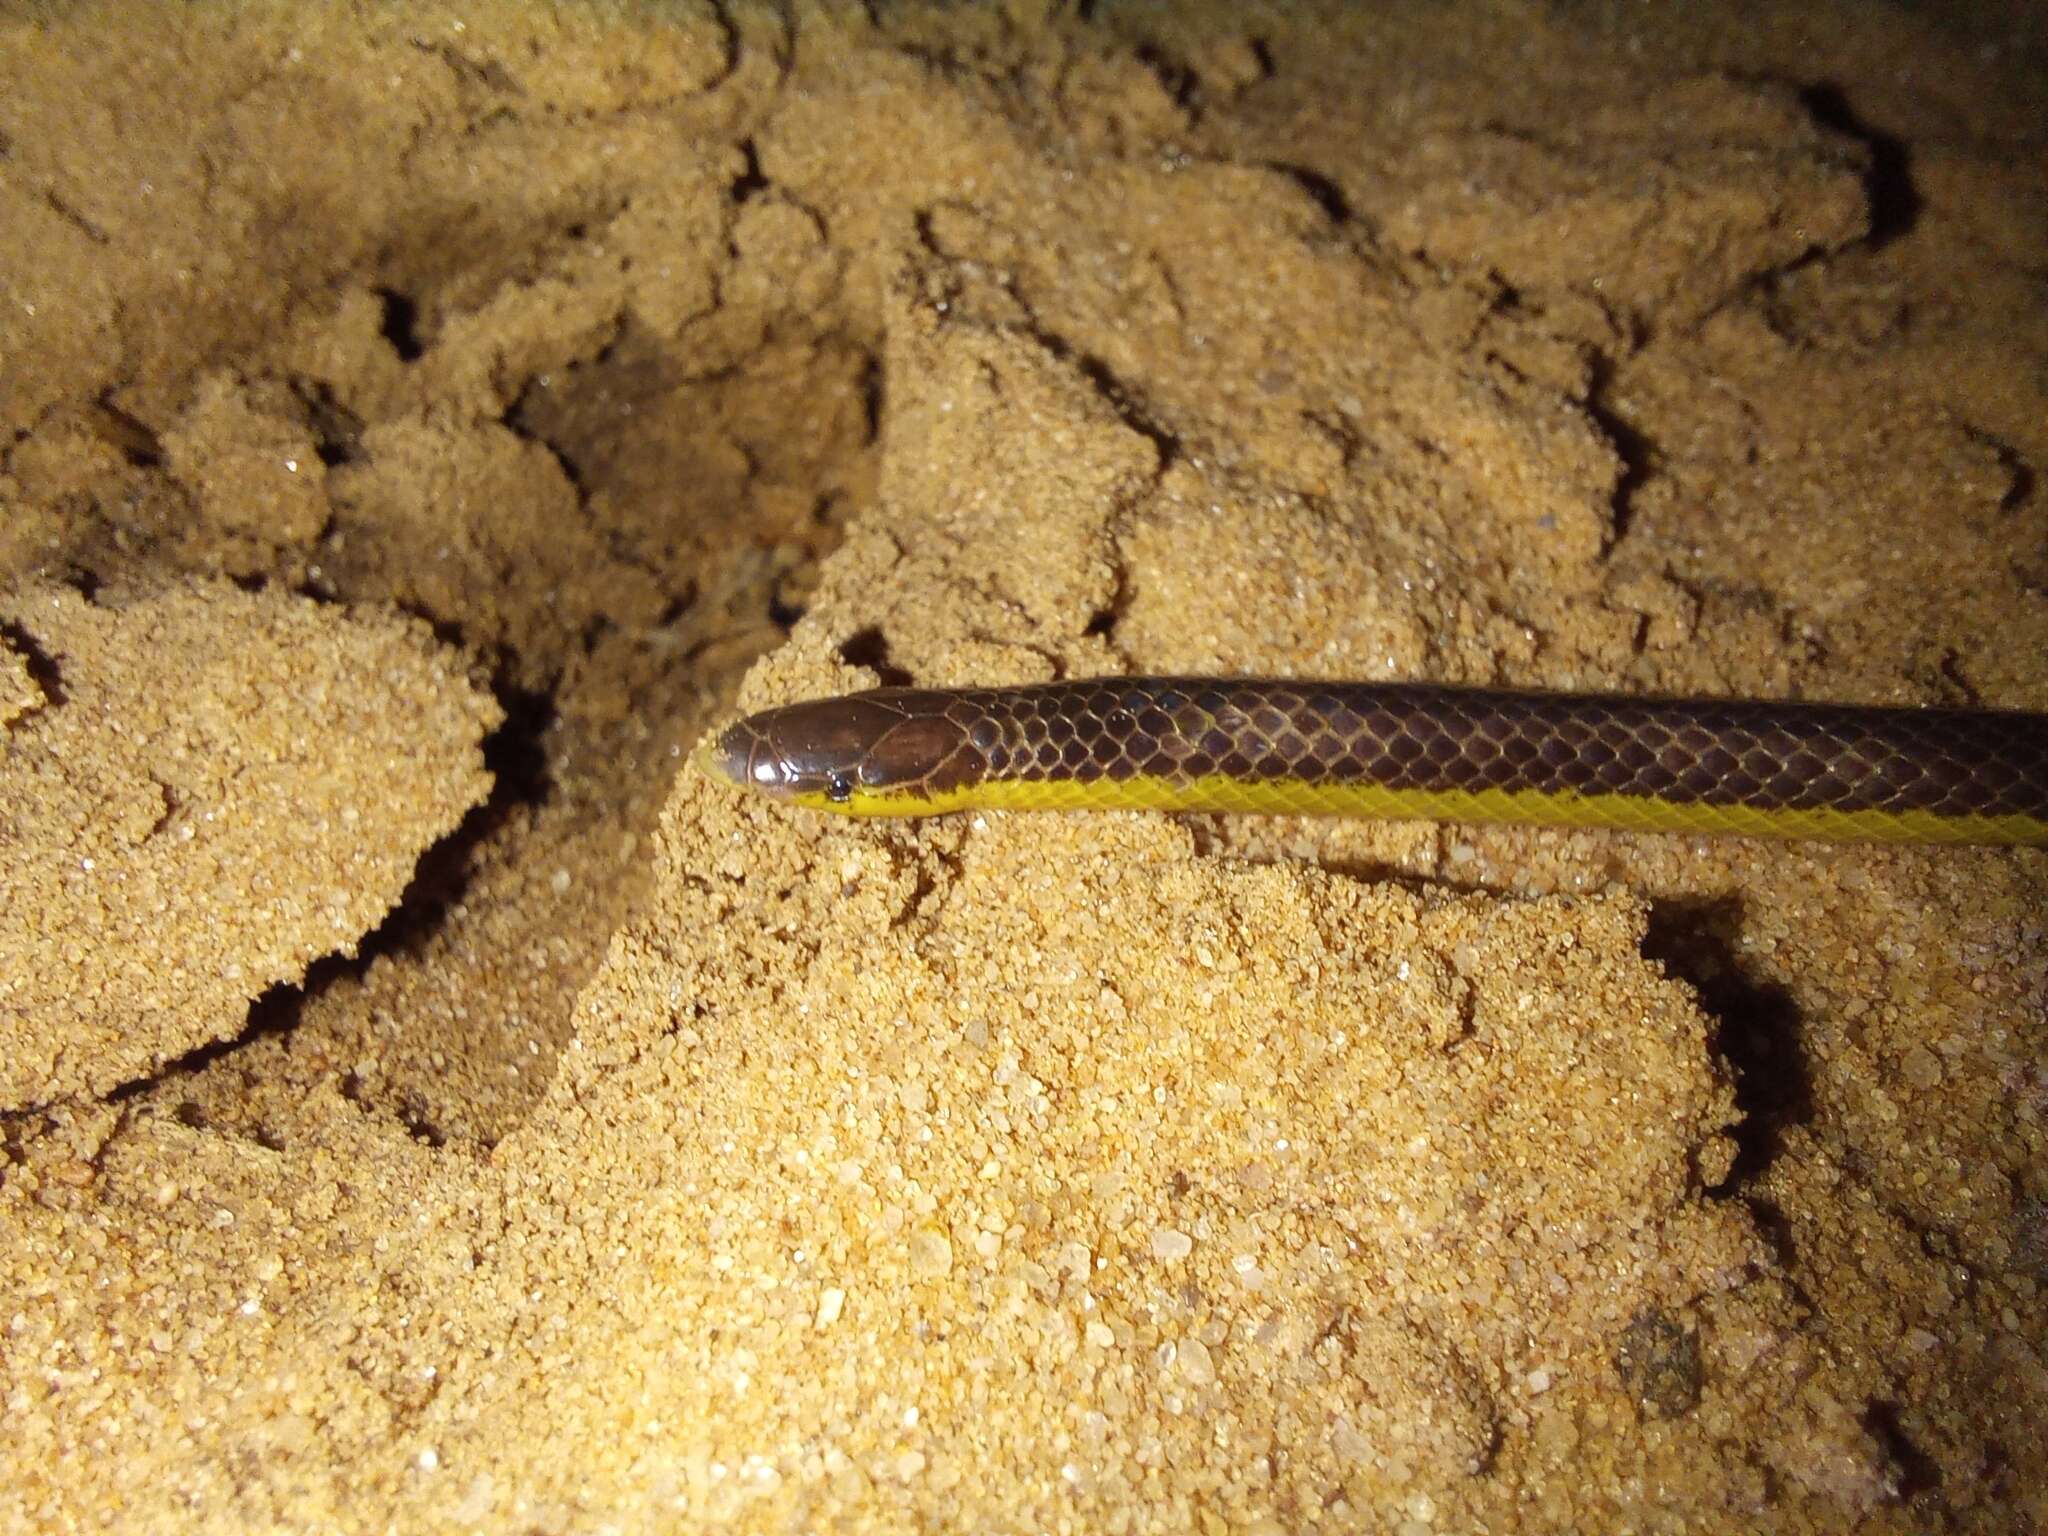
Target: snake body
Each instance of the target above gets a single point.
(1407, 750)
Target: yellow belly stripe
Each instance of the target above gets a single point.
(1284, 797)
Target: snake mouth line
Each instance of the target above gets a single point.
(1273, 746)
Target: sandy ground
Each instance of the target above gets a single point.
(431, 1105)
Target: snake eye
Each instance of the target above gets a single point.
(838, 787)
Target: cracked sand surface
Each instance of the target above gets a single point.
(663, 1161)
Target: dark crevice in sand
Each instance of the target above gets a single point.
(450, 632)
(1180, 83)
(2029, 1229)
(516, 755)
(1127, 401)
(873, 396)
(42, 667)
(1894, 202)
(1324, 192)
(1917, 1472)
(132, 438)
(1775, 1228)
(2019, 473)
(276, 1012)
(1757, 1031)
(1208, 834)
(1102, 623)
(400, 324)
(750, 183)
(1121, 397)
(487, 74)
(516, 420)
(1638, 453)
(410, 1111)
(70, 215)
(870, 648)
(1956, 683)
(337, 430)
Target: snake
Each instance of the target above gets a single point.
(1754, 768)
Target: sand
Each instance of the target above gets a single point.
(430, 1103)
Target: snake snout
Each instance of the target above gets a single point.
(740, 753)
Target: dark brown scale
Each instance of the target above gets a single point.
(1772, 756)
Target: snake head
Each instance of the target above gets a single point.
(866, 754)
